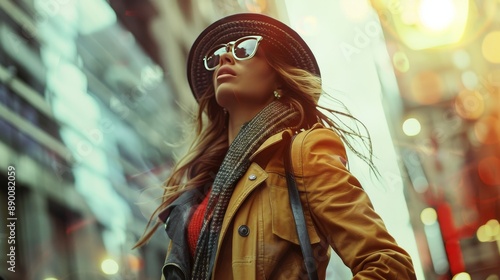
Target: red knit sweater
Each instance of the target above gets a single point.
(194, 226)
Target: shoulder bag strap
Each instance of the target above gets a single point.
(298, 212)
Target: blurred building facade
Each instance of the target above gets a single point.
(87, 120)
(92, 94)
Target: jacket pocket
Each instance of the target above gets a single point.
(283, 222)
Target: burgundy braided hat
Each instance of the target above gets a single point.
(279, 39)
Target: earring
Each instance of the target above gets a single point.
(277, 95)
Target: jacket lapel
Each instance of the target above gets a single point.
(252, 178)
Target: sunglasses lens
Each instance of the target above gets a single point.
(213, 57)
(245, 48)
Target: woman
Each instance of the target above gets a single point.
(226, 205)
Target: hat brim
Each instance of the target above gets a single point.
(276, 34)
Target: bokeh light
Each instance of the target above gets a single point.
(469, 104)
(489, 232)
(492, 277)
(493, 227)
(420, 184)
(426, 88)
(481, 234)
(109, 266)
(411, 127)
(428, 24)
(488, 169)
(461, 59)
(491, 47)
(409, 15)
(470, 79)
(135, 263)
(428, 216)
(487, 130)
(401, 62)
(462, 276)
(437, 15)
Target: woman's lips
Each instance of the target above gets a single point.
(224, 76)
(225, 72)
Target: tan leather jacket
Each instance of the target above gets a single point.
(258, 238)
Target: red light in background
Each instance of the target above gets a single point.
(488, 169)
(451, 238)
(135, 263)
(78, 225)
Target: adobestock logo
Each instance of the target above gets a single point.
(363, 38)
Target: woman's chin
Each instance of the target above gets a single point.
(226, 96)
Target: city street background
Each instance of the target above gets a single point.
(94, 107)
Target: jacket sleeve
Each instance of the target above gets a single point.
(343, 213)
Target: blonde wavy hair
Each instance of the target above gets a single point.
(197, 169)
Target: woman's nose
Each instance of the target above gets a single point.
(226, 58)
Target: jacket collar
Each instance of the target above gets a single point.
(189, 197)
(277, 139)
(270, 142)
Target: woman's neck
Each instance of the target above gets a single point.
(238, 116)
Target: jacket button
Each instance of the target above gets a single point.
(243, 231)
(252, 177)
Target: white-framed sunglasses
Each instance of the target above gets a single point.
(244, 48)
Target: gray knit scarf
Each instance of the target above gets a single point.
(272, 119)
